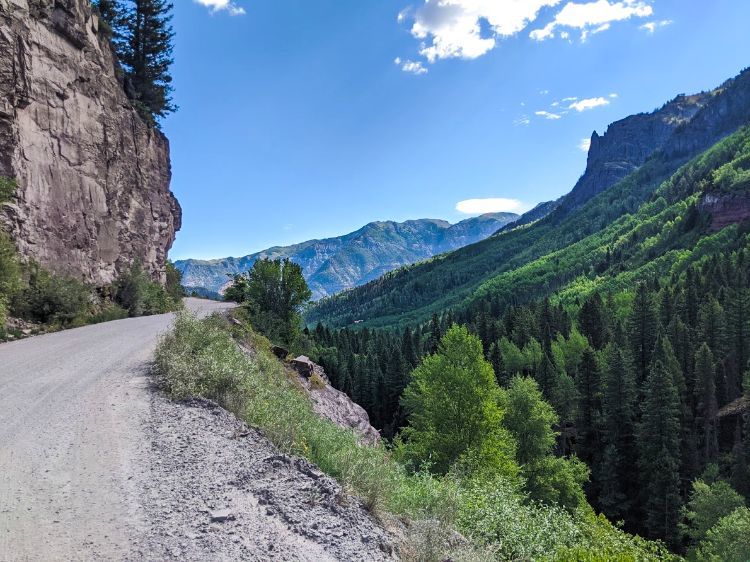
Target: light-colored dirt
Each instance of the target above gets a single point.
(97, 465)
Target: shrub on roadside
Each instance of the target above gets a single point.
(173, 286)
(10, 275)
(140, 296)
(52, 299)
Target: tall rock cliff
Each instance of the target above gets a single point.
(93, 177)
(681, 128)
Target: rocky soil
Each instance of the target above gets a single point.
(215, 489)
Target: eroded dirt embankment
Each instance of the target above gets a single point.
(216, 489)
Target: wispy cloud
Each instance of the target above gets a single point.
(223, 5)
(410, 66)
(490, 205)
(523, 120)
(586, 104)
(652, 26)
(585, 144)
(592, 17)
(547, 115)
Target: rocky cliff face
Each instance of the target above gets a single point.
(628, 143)
(93, 177)
(682, 128)
(725, 208)
(335, 264)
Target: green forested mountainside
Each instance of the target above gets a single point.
(334, 264)
(412, 294)
(638, 335)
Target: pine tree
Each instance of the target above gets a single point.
(407, 349)
(738, 316)
(592, 322)
(111, 13)
(642, 326)
(589, 387)
(659, 454)
(145, 51)
(706, 406)
(617, 478)
(436, 334)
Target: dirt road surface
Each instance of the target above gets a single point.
(97, 464)
(73, 407)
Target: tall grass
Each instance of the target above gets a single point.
(202, 358)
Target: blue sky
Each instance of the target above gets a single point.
(305, 119)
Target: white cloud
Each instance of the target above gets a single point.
(454, 28)
(652, 26)
(410, 66)
(592, 17)
(543, 92)
(548, 115)
(523, 120)
(613, 95)
(585, 144)
(218, 5)
(589, 103)
(490, 205)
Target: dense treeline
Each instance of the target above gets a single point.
(638, 336)
(646, 393)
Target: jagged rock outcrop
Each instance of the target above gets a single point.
(93, 176)
(726, 208)
(682, 127)
(331, 403)
(628, 143)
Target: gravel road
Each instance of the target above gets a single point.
(95, 464)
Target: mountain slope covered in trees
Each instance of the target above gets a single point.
(335, 264)
(604, 194)
(641, 347)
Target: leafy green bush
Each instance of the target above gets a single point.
(10, 271)
(173, 286)
(140, 296)
(52, 299)
(8, 187)
(708, 504)
(728, 540)
(10, 275)
(274, 292)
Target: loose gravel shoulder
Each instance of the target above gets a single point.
(215, 489)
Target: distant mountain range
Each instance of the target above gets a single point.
(334, 264)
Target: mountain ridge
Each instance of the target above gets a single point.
(412, 294)
(337, 263)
